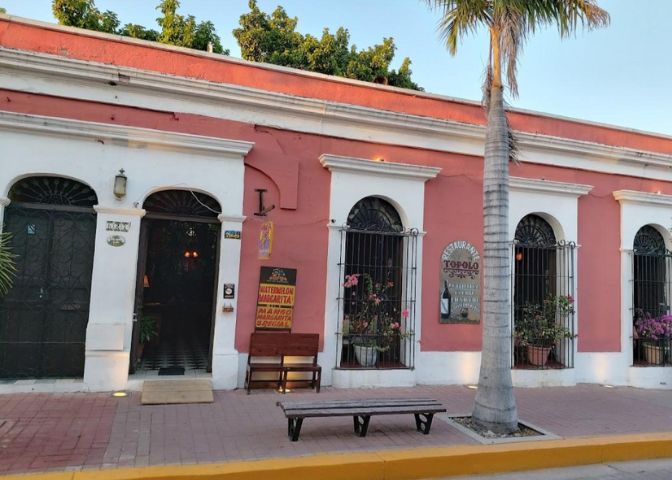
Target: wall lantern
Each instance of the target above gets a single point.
(120, 184)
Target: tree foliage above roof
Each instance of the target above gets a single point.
(262, 38)
(273, 39)
(176, 29)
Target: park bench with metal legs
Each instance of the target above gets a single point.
(361, 412)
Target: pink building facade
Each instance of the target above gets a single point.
(357, 179)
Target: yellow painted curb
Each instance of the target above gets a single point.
(402, 464)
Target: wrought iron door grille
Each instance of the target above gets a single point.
(652, 291)
(542, 285)
(43, 317)
(377, 315)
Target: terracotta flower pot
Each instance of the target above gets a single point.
(538, 356)
(654, 354)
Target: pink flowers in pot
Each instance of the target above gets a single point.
(373, 316)
(653, 328)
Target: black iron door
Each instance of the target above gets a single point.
(43, 318)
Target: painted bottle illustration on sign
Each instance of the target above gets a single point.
(446, 301)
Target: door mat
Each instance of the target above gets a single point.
(161, 392)
(171, 371)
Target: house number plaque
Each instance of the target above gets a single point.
(113, 226)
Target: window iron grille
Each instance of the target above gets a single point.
(652, 290)
(377, 328)
(542, 284)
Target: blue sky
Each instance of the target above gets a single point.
(616, 75)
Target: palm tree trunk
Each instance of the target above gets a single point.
(495, 404)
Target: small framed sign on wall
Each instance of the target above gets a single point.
(460, 284)
(275, 302)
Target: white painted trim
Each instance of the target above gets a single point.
(547, 186)
(590, 149)
(131, 212)
(64, 77)
(352, 179)
(647, 198)
(314, 75)
(337, 163)
(132, 137)
(4, 201)
(365, 378)
(564, 377)
(222, 217)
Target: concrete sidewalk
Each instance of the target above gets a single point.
(73, 432)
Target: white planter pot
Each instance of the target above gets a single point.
(366, 356)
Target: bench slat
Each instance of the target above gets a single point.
(357, 403)
(361, 412)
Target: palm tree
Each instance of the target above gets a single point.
(7, 266)
(508, 22)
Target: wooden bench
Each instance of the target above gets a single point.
(277, 347)
(361, 411)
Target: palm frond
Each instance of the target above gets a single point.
(7, 264)
(460, 18)
(570, 14)
(513, 144)
(514, 26)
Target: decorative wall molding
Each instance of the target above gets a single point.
(70, 78)
(224, 218)
(130, 212)
(358, 165)
(131, 137)
(548, 186)
(647, 198)
(4, 201)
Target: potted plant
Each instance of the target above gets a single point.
(373, 323)
(541, 327)
(655, 334)
(147, 331)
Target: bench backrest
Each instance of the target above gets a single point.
(267, 344)
(302, 345)
(276, 344)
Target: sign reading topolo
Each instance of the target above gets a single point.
(460, 295)
(275, 304)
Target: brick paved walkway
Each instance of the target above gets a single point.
(74, 431)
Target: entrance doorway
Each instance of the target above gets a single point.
(175, 294)
(44, 315)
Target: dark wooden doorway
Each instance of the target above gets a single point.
(177, 275)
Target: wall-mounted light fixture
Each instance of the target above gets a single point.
(120, 184)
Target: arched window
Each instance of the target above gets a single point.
(543, 285)
(651, 294)
(534, 261)
(44, 316)
(53, 191)
(378, 287)
(182, 203)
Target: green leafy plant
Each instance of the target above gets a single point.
(147, 329)
(543, 325)
(7, 264)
